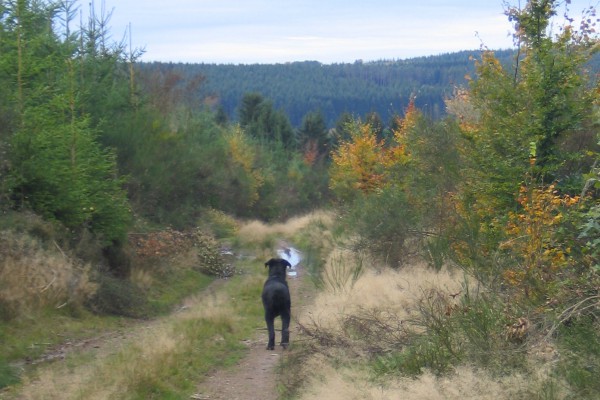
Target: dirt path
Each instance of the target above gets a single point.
(255, 376)
(252, 378)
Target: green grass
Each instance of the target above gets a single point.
(579, 365)
(162, 359)
(164, 362)
(29, 336)
(174, 286)
(8, 374)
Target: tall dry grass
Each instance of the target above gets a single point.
(384, 307)
(33, 277)
(396, 291)
(257, 233)
(349, 383)
(342, 269)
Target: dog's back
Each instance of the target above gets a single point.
(276, 297)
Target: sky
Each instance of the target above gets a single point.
(328, 31)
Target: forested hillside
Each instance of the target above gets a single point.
(299, 88)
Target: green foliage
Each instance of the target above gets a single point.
(260, 120)
(342, 272)
(545, 100)
(398, 193)
(63, 174)
(56, 166)
(385, 223)
(222, 225)
(174, 172)
(8, 374)
(476, 329)
(424, 352)
(313, 138)
(590, 233)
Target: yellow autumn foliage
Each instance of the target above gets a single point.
(244, 154)
(533, 236)
(363, 164)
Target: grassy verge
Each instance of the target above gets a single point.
(164, 358)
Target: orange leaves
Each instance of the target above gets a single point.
(357, 164)
(408, 123)
(311, 152)
(533, 238)
(362, 164)
(160, 244)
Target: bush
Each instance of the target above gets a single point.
(26, 222)
(119, 297)
(423, 353)
(210, 259)
(83, 192)
(342, 270)
(385, 225)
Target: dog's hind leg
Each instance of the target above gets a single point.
(271, 328)
(285, 329)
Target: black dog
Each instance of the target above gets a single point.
(276, 300)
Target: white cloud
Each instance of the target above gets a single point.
(268, 31)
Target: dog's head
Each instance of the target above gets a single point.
(277, 266)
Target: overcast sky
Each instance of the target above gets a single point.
(329, 31)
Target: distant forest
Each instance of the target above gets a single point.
(358, 88)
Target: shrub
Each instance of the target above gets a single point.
(342, 270)
(210, 259)
(423, 353)
(83, 192)
(385, 225)
(119, 297)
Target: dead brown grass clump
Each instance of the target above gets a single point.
(265, 235)
(334, 383)
(33, 277)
